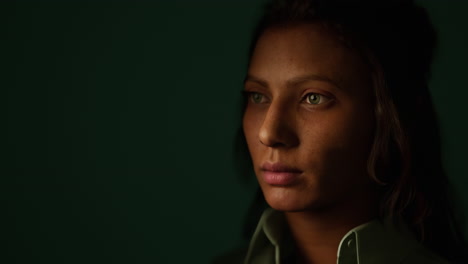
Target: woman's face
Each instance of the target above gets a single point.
(309, 121)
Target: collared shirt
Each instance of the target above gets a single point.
(375, 242)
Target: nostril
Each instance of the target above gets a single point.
(270, 144)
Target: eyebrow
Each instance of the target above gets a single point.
(250, 78)
(296, 80)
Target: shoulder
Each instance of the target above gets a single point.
(386, 243)
(423, 256)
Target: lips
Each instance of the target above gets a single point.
(279, 174)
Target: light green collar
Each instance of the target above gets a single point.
(373, 242)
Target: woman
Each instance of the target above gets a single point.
(343, 138)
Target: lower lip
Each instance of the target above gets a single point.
(280, 178)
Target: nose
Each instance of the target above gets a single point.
(278, 128)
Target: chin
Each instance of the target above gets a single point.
(290, 200)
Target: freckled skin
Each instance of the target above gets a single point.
(330, 142)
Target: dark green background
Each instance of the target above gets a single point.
(119, 121)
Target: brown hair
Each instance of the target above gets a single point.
(397, 40)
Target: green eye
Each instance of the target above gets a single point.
(314, 98)
(256, 97)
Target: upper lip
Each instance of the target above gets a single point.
(278, 167)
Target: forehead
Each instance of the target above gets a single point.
(284, 53)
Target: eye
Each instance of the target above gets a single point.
(315, 98)
(256, 98)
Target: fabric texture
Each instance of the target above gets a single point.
(374, 242)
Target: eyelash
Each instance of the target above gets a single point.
(249, 96)
(322, 97)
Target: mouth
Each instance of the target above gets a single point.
(279, 174)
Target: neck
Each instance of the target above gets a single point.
(318, 233)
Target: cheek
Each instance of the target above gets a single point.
(251, 125)
(339, 143)
(253, 118)
(351, 131)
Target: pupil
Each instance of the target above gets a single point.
(313, 98)
(256, 97)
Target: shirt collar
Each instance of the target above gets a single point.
(373, 242)
(269, 243)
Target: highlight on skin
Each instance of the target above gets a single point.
(380, 139)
